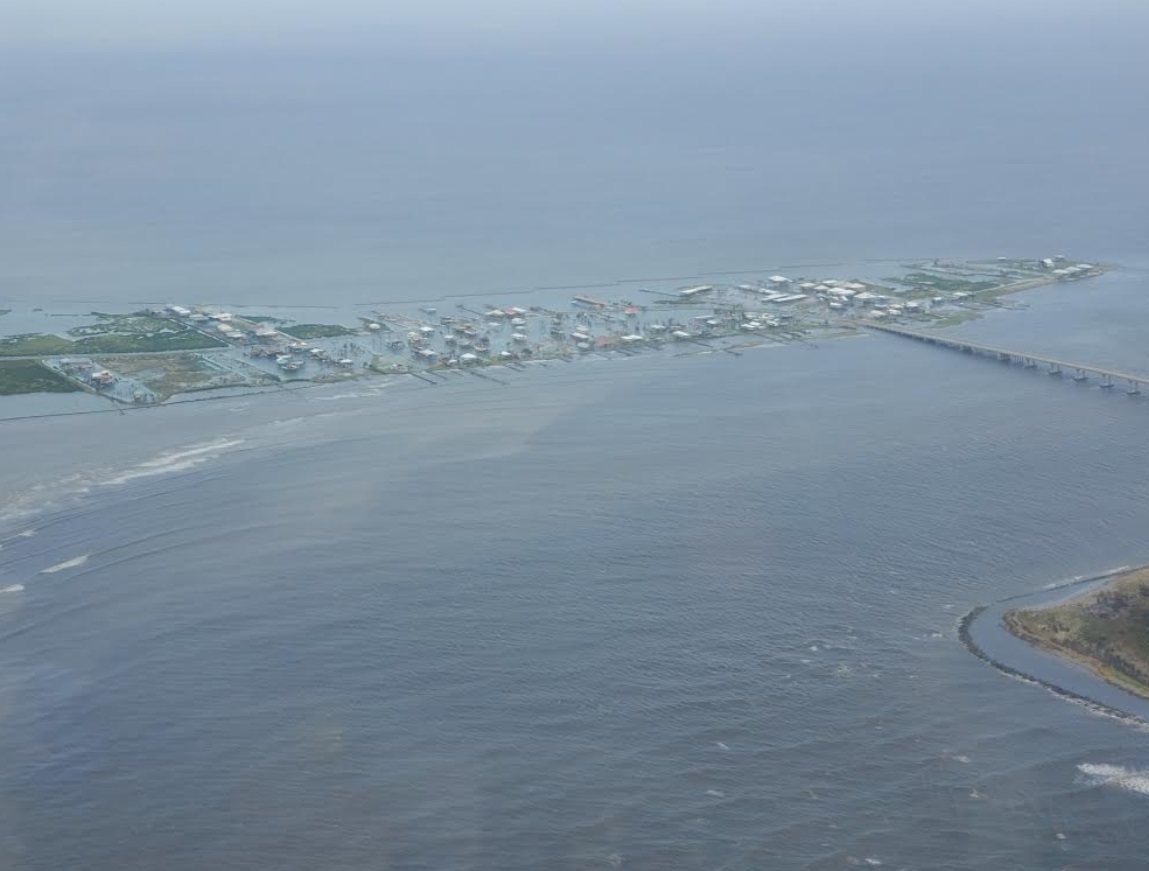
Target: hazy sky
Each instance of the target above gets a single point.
(253, 143)
(82, 24)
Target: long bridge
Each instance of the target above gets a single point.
(1081, 372)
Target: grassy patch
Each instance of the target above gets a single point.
(955, 318)
(169, 374)
(33, 344)
(389, 366)
(264, 319)
(1026, 266)
(119, 343)
(1107, 629)
(916, 293)
(943, 284)
(318, 331)
(112, 334)
(133, 325)
(31, 376)
(1028, 283)
(172, 338)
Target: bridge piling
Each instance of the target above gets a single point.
(1107, 378)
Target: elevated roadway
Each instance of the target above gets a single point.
(1081, 371)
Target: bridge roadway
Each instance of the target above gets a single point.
(1030, 361)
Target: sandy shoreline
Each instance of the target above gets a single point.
(1101, 629)
(965, 635)
(1081, 676)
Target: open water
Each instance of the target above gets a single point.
(651, 613)
(684, 612)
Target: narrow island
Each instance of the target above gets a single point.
(1105, 629)
(172, 352)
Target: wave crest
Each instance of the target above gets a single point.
(1103, 774)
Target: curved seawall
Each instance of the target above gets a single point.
(982, 632)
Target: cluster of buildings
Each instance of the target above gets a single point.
(836, 294)
(463, 339)
(293, 356)
(1059, 267)
(264, 342)
(86, 372)
(1079, 270)
(510, 333)
(224, 322)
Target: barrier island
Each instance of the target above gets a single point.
(170, 349)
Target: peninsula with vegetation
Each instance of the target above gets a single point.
(1105, 629)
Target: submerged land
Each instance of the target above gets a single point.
(171, 349)
(1105, 629)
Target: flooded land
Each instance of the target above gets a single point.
(174, 348)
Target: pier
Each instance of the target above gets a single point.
(1107, 378)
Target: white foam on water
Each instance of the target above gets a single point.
(176, 461)
(290, 422)
(1102, 774)
(13, 512)
(361, 394)
(15, 588)
(1077, 579)
(73, 563)
(44, 497)
(20, 506)
(38, 498)
(287, 422)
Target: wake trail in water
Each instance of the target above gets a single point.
(73, 563)
(44, 497)
(176, 461)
